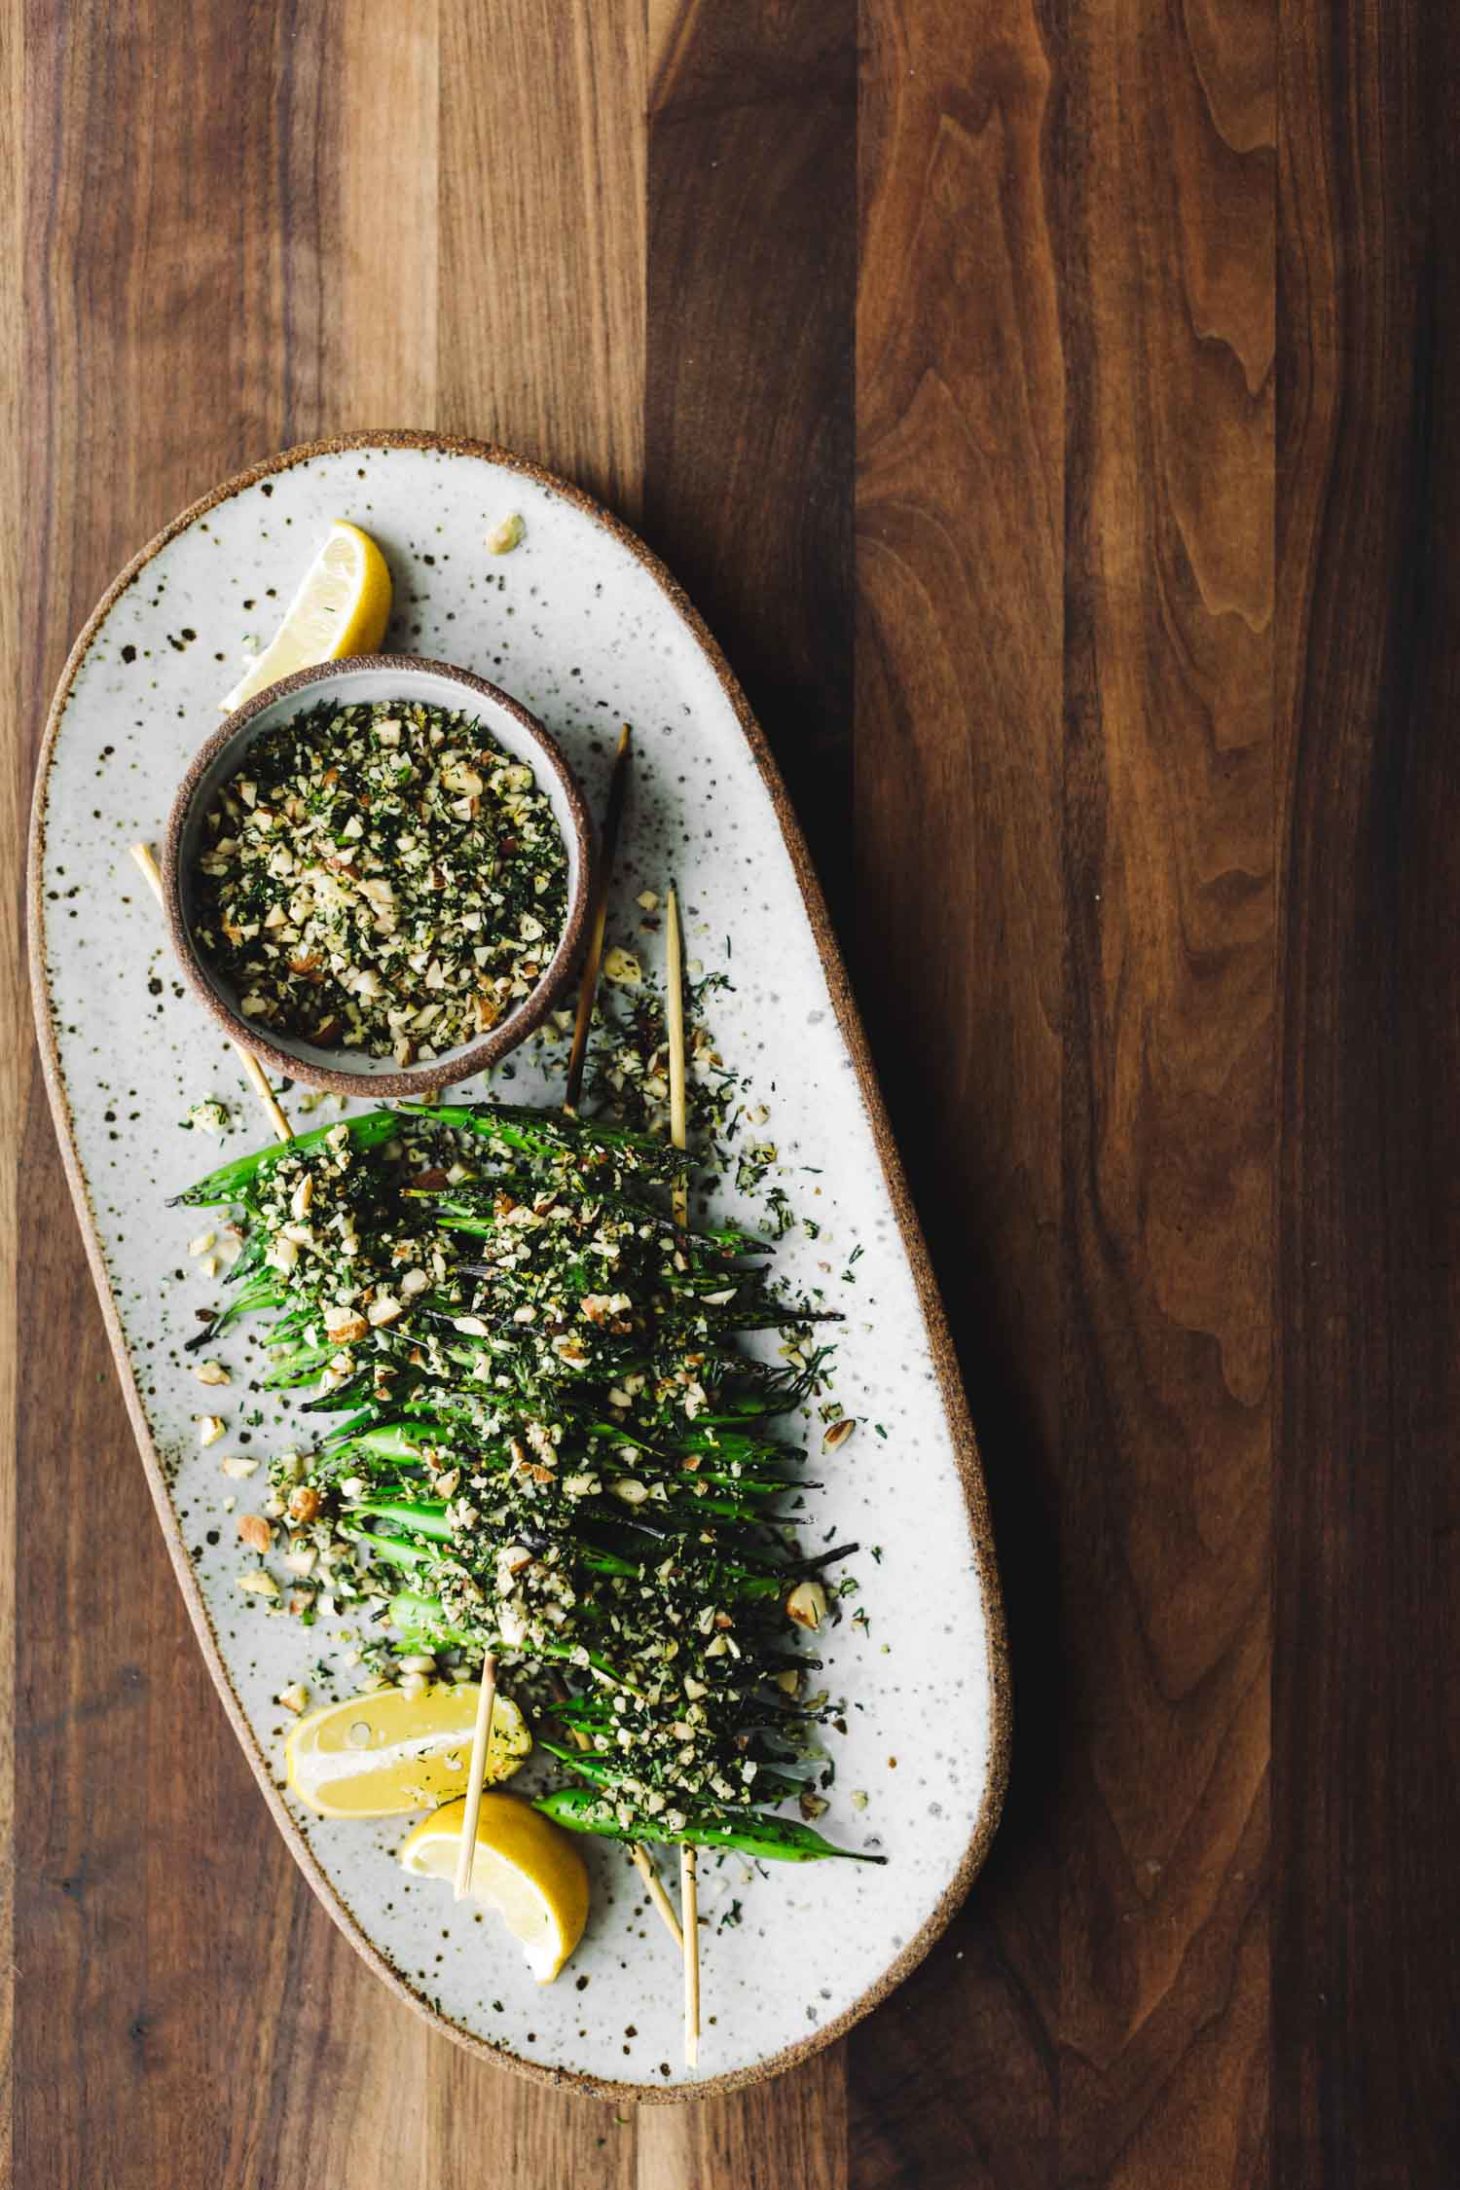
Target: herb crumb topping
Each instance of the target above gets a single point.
(381, 877)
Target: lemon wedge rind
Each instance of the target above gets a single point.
(526, 1868)
(388, 1753)
(341, 608)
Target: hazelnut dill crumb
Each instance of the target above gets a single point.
(382, 878)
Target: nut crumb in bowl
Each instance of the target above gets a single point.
(380, 876)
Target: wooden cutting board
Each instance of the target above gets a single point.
(1051, 409)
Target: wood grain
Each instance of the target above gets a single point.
(1366, 1898)
(958, 941)
(381, 267)
(15, 1038)
(749, 397)
(791, 2131)
(542, 235)
(1051, 404)
(1168, 1138)
(1066, 546)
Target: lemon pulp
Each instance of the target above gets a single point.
(342, 608)
(387, 1753)
(525, 1867)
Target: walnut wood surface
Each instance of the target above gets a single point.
(1051, 404)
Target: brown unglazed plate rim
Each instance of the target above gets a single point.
(414, 1081)
(945, 1360)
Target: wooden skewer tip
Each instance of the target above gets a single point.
(253, 1071)
(674, 1017)
(477, 1772)
(587, 991)
(642, 1860)
(679, 1134)
(644, 1865)
(597, 922)
(689, 1901)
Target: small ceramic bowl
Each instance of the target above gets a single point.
(367, 678)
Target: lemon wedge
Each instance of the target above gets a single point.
(384, 1754)
(342, 608)
(525, 1867)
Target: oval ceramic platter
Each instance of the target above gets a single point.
(584, 627)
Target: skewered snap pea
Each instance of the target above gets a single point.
(773, 1839)
(552, 1443)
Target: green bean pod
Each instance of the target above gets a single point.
(768, 1838)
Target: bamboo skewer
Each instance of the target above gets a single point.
(644, 1865)
(253, 1071)
(674, 979)
(587, 991)
(618, 785)
(689, 1904)
(689, 1892)
(598, 921)
(643, 1862)
(480, 1743)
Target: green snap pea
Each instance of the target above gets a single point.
(230, 1181)
(772, 1839)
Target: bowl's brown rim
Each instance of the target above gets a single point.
(940, 1339)
(439, 1072)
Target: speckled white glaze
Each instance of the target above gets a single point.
(579, 626)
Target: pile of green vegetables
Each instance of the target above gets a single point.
(554, 1445)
